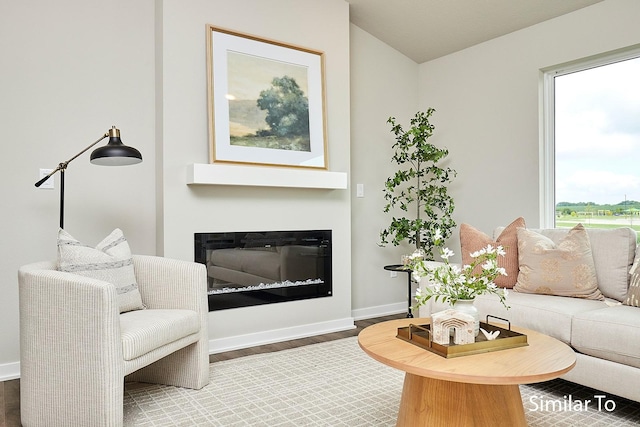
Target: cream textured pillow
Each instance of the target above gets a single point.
(613, 252)
(110, 261)
(472, 240)
(565, 269)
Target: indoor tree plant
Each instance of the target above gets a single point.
(418, 186)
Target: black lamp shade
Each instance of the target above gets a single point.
(115, 153)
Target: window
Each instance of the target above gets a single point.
(590, 153)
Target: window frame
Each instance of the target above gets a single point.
(547, 122)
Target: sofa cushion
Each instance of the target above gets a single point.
(472, 240)
(548, 314)
(145, 330)
(563, 269)
(613, 253)
(110, 261)
(610, 333)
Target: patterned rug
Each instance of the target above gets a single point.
(335, 384)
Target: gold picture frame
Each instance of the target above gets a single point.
(266, 101)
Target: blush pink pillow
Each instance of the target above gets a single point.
(472, 240)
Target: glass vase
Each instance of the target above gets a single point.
(466, 306)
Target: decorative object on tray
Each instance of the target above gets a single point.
(466, 306)
(490, 336)
(503, 338)
(461, 323)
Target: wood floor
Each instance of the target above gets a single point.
(10, 390)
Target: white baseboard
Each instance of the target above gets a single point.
(278, 335)
(379, 311)
(10, 371)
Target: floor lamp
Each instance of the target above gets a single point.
(115, 153)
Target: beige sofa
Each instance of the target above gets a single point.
(604, 334)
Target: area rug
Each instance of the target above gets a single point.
(336, 384)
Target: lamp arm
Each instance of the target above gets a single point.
(63, 165)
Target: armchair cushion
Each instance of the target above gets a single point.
(146, 330)
(109, 261)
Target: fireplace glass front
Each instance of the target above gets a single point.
(263, 267)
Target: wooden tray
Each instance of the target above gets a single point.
(420, 335)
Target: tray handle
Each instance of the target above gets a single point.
(428, 331)
(499, 318)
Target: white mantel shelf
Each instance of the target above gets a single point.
(258, 176)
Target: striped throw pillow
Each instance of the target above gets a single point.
(109, 261)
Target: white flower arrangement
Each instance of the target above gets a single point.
(450, 283)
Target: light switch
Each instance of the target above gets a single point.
(48, 184)
(359, 190)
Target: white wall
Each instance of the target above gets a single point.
(383, 84)
(488, 104)
(319, 25)
(69, 70)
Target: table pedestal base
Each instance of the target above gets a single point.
(431, 402)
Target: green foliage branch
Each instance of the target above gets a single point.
(419, 185)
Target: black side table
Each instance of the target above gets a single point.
(402, 268)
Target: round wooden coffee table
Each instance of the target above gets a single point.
(475, 390)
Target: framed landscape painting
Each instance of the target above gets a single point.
(266, 101)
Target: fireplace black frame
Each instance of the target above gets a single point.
(304, 251)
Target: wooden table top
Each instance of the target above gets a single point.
(545, 358)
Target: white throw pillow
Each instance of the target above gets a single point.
(110, 261)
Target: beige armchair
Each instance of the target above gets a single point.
(76, 348)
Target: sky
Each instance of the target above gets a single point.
(597, 134)
(248, 75)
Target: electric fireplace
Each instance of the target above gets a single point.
(263, 267)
